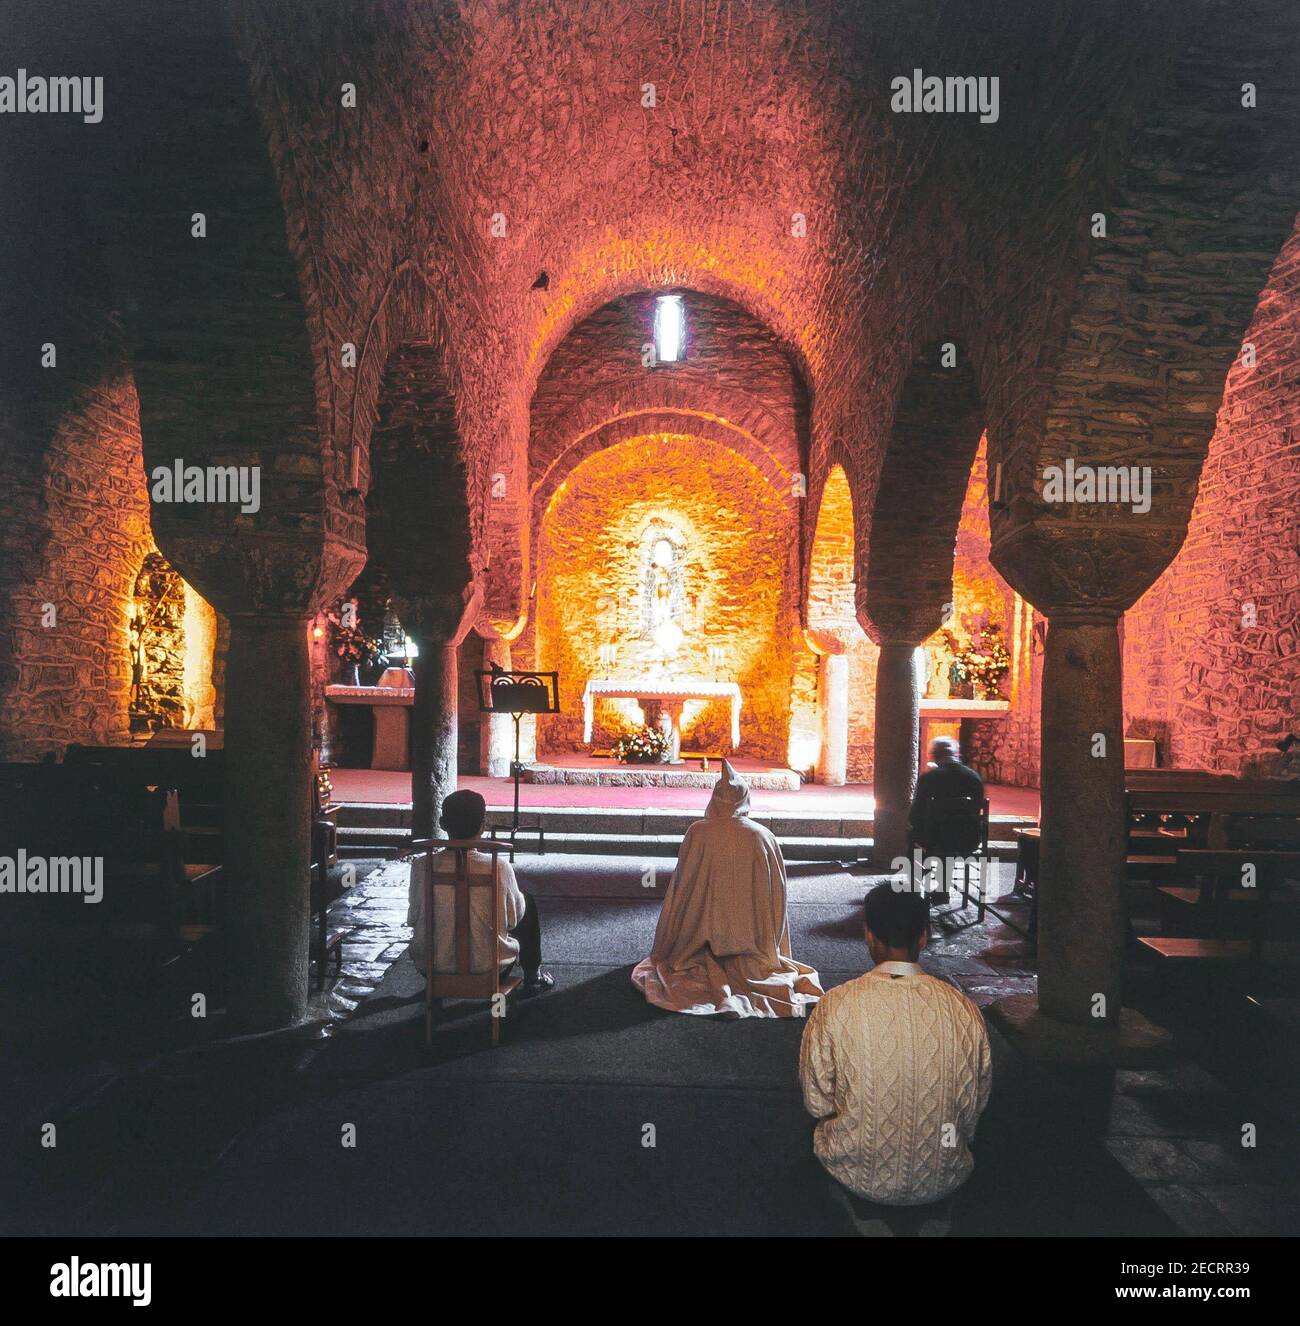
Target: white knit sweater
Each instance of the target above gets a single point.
(896, 1066)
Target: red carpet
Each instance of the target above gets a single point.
(378, 785)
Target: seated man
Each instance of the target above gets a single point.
(723, 940)
(942, 824)
(896, 1067)
(517, 931)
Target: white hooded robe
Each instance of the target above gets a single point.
(723, 940)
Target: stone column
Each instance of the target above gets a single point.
(833, 707)
(1081, 914)
(267, 760)
(897, 744)
(434, 732)
(497, 733)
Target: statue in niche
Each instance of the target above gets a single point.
(663, 599)
(661, 584)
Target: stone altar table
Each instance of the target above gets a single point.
(943, 717)
(662, 702)
(391, 705)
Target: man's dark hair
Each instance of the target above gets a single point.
(463, 814)
(897, 917)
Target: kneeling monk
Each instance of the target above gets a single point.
(723, 940)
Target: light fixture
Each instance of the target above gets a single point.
(670, 328)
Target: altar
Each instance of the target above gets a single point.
(662, 702)
(943, 717)
(391, 702)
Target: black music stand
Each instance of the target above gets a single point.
(517, 694)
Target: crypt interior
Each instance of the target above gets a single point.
(648, 346)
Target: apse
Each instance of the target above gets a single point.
(669, 557)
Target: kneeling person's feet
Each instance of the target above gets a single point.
(537, 983)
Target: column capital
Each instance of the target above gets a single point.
(1082, 614)
(912, 626)
(823, 643)
(1103, 567)
(906, 641)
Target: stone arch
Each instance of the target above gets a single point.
(624, 428)
(917, 507)
(223, 316)
(739, 384)
(599, 285)
(419, 524)
(837, 721)
(735, 537)
(1133, 373)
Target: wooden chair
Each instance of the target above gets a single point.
(959, 830)
(463, 983)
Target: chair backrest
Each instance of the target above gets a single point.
(955, 826)
(464, 982)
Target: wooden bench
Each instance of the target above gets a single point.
(1161, 822)
(1233, 905)
(92, 800)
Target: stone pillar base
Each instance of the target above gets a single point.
(1134, 1042)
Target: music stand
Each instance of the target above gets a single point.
(517, 694)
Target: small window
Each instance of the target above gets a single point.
(670, 328)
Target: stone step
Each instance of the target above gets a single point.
(389, 840)
(636, 822)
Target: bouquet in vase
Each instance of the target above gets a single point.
(648, 745)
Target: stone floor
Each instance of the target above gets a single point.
(225, 1135)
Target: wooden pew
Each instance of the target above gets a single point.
(1161, 822)
(1231, 908)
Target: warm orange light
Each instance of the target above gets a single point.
(666, 556)
(199, 625)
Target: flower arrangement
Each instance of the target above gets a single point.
(351, 645)
(648, 745)
(984, 662)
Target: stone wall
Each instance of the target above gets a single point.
(1211, 664)
(732, 586)
(733, 371)
(85, 534)
(77, 542)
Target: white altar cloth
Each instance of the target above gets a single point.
(674, 693)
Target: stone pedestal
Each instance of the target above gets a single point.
(268, 819)
(833, 705)
(666, 716)
(433, 734)
(898, 708)
(1129, 1041)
